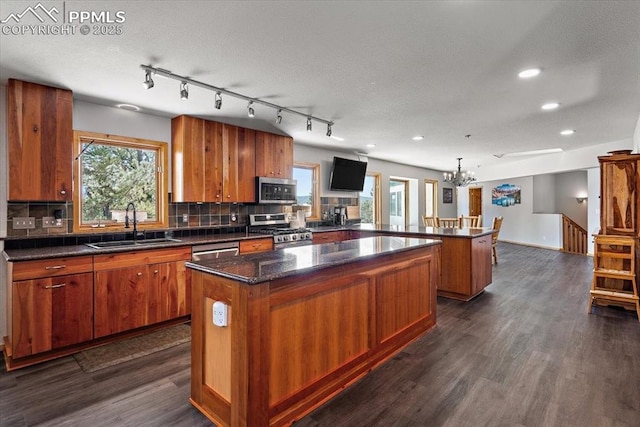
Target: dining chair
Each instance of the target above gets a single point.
(470, 221)
(429, 221)
(448, 222)
(495, 225)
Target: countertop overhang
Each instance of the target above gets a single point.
(277, 264)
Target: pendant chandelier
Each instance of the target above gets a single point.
(459, 178)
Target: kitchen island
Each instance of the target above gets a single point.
(466, 255)
(303, 323)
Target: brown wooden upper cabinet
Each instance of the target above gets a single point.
(620, 198)
(212, 162)
(274, 155)
(40, 131)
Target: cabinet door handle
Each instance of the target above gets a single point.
(61, 285)
(55, 267)
(154, 272)
(139, 274)
(63, 192)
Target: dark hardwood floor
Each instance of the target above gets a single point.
(524, 353)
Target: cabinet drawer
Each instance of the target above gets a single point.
(330, 236)
(256, 245)
(24, 270)
(140, 257)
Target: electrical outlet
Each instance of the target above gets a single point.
(220, 314)
(50, 221)
(185, 217)
(24, 222)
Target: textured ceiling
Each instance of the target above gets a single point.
(382, 71)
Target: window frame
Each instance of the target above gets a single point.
(434, 182)
(162, 182)
(377, 198)
(315, 186)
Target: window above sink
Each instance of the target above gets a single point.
(112, 171)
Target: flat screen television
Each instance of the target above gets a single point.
(347, 175)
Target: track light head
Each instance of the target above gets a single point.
(279, 116)
(218, 101)
(250, 111)
(148, 81)
(308, 124)
(329, 129)
(184, 92)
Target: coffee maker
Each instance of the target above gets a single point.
(340, 215)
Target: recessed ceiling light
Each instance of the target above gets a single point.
(567, 132)
(370, 145)
(337, 138)
(528, 73)
(129, 107)
(418, 138)
(550, 106)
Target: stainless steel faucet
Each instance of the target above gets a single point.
(135, 220)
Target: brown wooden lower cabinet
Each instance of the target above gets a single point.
(294, 342)
(466, 267)
(51, 312)
(466, 262)
(134, 289)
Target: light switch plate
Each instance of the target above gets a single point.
(24, 222)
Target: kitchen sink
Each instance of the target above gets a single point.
(128, 243)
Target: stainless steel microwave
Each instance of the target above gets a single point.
(275, 190)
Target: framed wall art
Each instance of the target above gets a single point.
(447, 195)
(505, 195)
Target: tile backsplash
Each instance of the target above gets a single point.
(181, 215)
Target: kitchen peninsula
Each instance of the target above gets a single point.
(303, 323)
(466, 255)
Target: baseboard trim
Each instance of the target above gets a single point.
(538, 246)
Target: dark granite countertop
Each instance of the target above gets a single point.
(80, 250)
(266, 266)
(409, 229)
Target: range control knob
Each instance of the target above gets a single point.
(294, 237)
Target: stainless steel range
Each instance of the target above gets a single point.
(277, 226)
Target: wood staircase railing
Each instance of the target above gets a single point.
(574, 237)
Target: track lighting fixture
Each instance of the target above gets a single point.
(148, 81)
(184, 92)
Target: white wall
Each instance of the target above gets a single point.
(593, 206)
(543, 189)
(521, 224)
(569, 186)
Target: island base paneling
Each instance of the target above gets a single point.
(292, 343)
